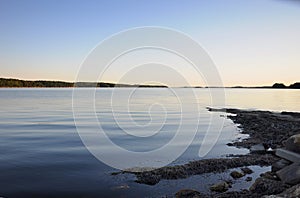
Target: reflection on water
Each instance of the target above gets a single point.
(41, 152)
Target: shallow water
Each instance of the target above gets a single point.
(42, 154)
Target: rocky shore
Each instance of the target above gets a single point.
(274, 140)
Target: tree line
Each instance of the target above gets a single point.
(9, 82)
(283, 86)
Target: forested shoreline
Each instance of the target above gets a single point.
(11, 83)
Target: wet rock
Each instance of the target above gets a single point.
(265, 186)
(293, 143)
(247, 170)
(269, 128)
(236, 174)
(113, 173)
(269, 175)
(230, 144)
(202, 166)
(280, 164)
(220, 187)
(248, 179)
(292, 192)
(147, 178)
(290, 174)
(189, 193)
(258, 148)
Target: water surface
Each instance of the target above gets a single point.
(41, 153)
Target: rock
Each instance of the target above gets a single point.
(248, 179)
(220, 187)
(280, 164)
(113, 173)
(203, 166)
(247, 170)
(293, 143)
(230, 144)
(289, 155)
(293, 192)
(236, 174)
(264, 186)
(258, 148)
(290, 174)
(148, 178)
(269, 175)
(189, 193)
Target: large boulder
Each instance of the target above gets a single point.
(265, 186)
(290, 174)
(293, 143)
(280, 164)
(288, 155)
(293, 192)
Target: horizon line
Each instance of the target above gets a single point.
(282, 85)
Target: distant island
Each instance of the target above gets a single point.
(282, 86)
(16, 83)
(275, 86)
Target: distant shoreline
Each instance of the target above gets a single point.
(17, 83)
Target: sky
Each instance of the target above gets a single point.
(252, 42)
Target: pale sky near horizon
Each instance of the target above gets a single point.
(253, 42)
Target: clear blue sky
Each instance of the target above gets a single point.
(253, 42)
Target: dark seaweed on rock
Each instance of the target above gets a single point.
(202, 166)
(271, 129)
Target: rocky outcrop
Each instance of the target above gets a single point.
(266, 129)
(266, 186)
(288, 168)
(290, 174)
(272, 132)
(280, 164)
(202, 166)
(293, 192)
(293, 143)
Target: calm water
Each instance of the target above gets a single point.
(42, 155)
